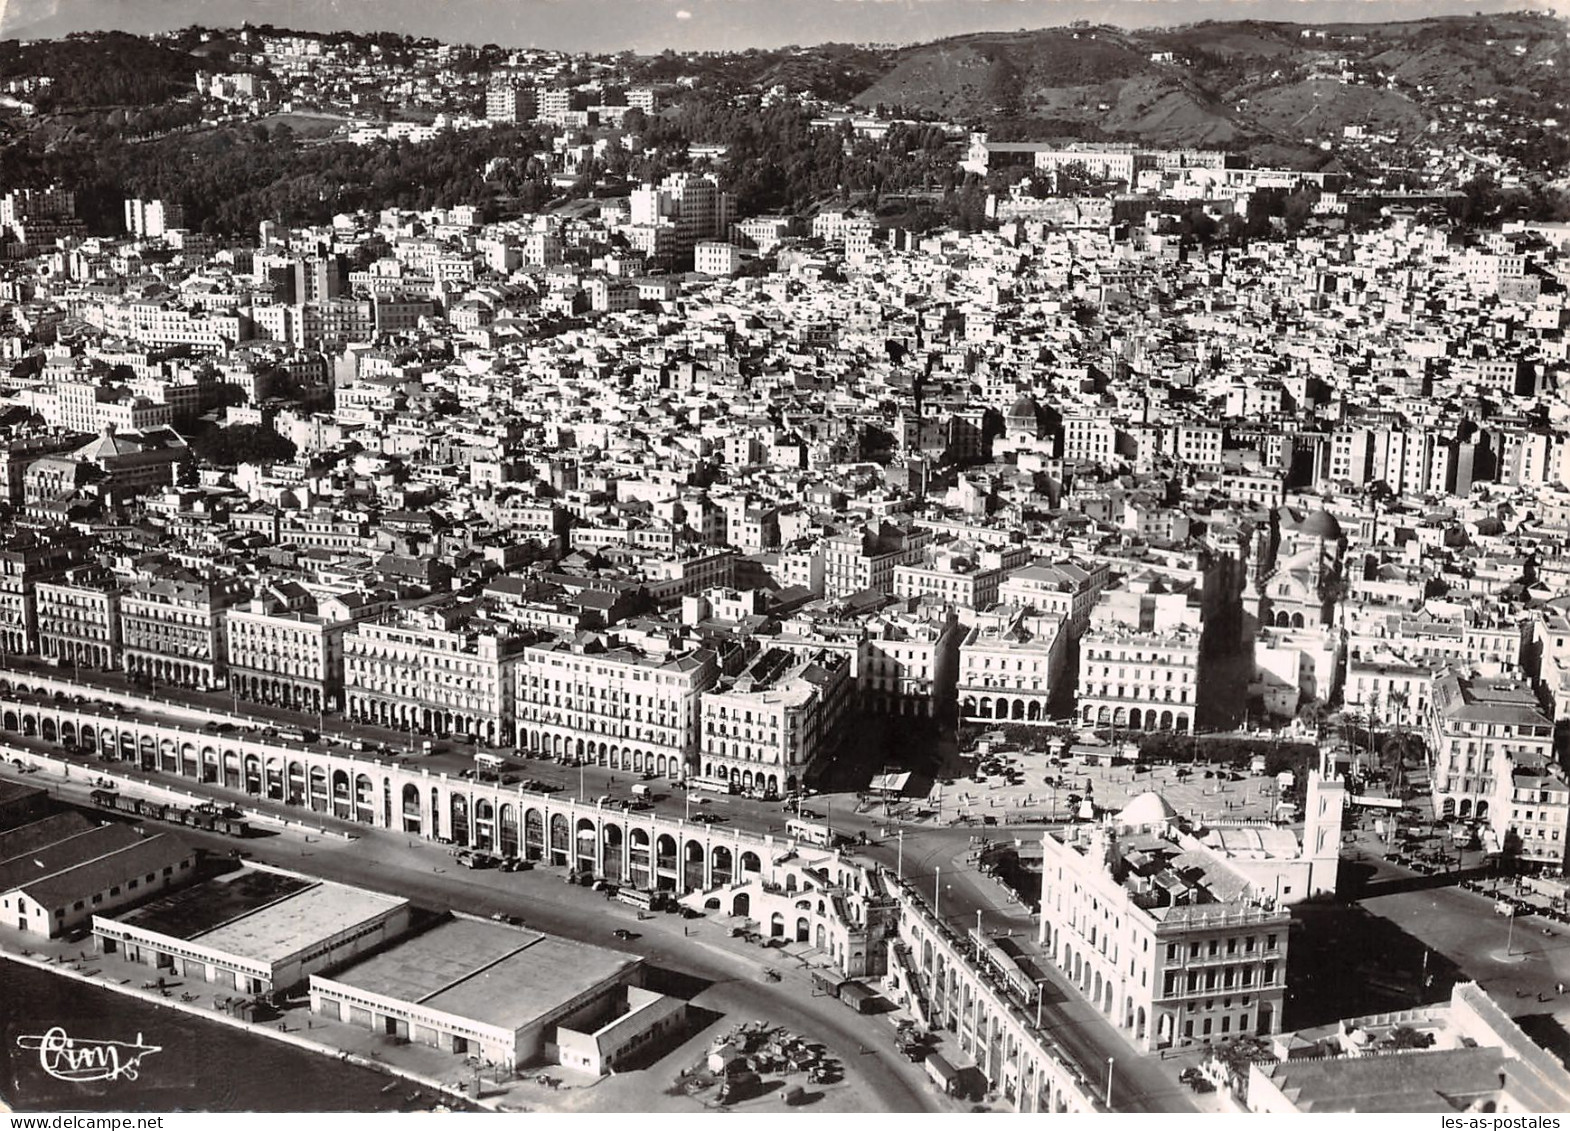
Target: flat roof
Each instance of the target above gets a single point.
(486, 972)
(279, 930)
(262, 916)
(193, 911)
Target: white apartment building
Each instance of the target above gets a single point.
(867, 558)
(594, 696)
(1139, 680)
(1390, 694)
(1172, 955)
(1537, 828)
(1065, 588)
(714, 258)
(1010, 665)
(79, 619)
(432, 670)
(770, 727)
(290, 658)
(1480, 732)
(171, 629)
(958, 575)
(907, 663)
(1089, 439)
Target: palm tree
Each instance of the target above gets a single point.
(1398, 699)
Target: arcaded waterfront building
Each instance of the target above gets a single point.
(595, 696)
(436, 670)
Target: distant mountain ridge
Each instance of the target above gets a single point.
(1232, 83)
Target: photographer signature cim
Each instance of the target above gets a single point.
(83, 1061)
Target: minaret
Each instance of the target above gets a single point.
(1323, 806)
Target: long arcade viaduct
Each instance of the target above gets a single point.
(642, 849)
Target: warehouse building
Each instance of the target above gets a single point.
(477, 988)
(51, 884)
(259, 930)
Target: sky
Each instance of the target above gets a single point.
(688, 25)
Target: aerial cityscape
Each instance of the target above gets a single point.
(1027, 571)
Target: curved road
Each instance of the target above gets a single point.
(427, 875)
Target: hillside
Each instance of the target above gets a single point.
(1232, 84)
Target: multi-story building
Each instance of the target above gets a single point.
(1434, 636)
(26, 560)
(692, 204)
(435, 669)
(1389, 694)
(867, 558)
(907, 662)
(1479, 732)
(688, 571)
(1067, 589)
(1536, 830)
(1139, 680)
(172, 627)
(79, 618)
(959, 575)
(596, 697)
(509, 104)
(1163, 936)
(1010, 665)
(21, 451)
(150, 219)
(768, 729)
(282, 652)
(1089, 439)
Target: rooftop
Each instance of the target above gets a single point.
(262, 915)
(486, 972)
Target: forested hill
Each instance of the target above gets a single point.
(1232, 84)
(109, 69)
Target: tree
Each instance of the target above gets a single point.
(1406, 1037)
(241, 443)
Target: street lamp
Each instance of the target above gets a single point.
(1041, 996)
(937, 892)
(899, 864)
(1109, 1081)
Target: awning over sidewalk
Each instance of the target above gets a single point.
(890, 783)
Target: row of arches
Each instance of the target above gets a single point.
(609, 846)
(1136, 718)
(1004, 707)
(1085, 968)
(1450, 808)
(304, 696)
(169, 670)
(748, 781)
(631, 758)
(400, 714)
(80, 653)
(1017, 1067)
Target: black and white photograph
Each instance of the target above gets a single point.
(857, 558)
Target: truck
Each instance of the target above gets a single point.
(644, 791)
(942, 1073)
(858, 996)
(826, 984)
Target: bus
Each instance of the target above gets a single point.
(712, 785)
(642, 900)
(820, 835)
